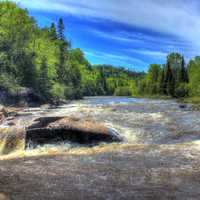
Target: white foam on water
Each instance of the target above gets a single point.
(60, 146)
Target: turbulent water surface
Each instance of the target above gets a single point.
(159, 157)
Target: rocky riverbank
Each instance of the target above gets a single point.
(123, 172)
(18, 136)
(151, 151)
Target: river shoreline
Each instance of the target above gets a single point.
(157, 159)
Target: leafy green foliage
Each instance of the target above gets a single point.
(58, 91)
(44, 85)
(123, 91)
(170, 79)
(42, 58)
(194, 76)
(7, 83)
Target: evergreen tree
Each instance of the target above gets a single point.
(182, 71)
(62, 53)
(171, 84)
(169, 80)
(61, 29)
(52, 31)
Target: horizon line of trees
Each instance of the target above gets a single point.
(170, 79)
(42, 58)
(175, 78)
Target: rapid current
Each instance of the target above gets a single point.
(158, 158)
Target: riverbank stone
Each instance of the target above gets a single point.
(56, 129)
(52, 130)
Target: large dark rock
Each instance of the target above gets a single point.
(51, 130)
(23, 97)
(56, 129)
(28, 97)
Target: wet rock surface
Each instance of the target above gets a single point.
(57, 129)
(6, 112)
(52, 130)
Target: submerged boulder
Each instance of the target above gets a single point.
(56, 129)
(51, 130)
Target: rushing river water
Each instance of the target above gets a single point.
(159, 157)
(146, 121)
(138, 121)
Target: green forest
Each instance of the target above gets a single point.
(43, 59)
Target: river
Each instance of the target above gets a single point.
(158, 158)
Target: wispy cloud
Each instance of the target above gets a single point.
(146, 44)
(113, 36)
(179, 18)
(140, 38)
(151, 53)
(126, 32)
(117, 58)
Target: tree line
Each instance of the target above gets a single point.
(170, 79)
(43, 59)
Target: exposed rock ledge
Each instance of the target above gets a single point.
(52, 129)
(48, 130)
(8, 111)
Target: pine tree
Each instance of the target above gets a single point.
(171, 85)
(62, 51)
(167, 75)
(52, 31)
(169, 80)
(61, 29)
(182, 71)
(63, 47)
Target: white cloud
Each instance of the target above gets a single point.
(179, 17)
(109, 36)
(151, 53)
(140, 38)
(117, 58)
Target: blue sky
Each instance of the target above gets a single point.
(128, 33)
